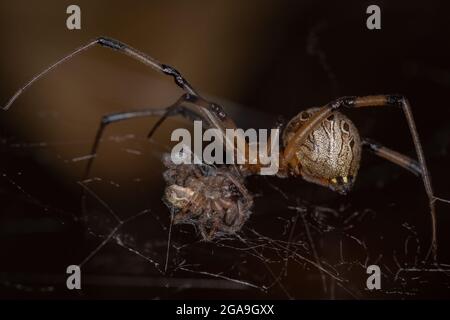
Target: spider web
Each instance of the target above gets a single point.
(301, 241)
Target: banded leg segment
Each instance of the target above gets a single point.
(184, 106)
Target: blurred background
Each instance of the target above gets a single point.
(260, 59)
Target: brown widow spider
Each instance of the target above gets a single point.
(320, 145)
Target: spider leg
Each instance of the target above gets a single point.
(242, 189)
(212, 113)
(374, 101)
(117, 46)
(187, 106)
(393, 156)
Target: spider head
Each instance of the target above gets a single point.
(341, 184)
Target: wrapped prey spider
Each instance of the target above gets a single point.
(321, 145)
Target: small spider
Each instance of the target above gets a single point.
(320, 145)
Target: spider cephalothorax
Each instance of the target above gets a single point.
(206, 197)
(331, 153)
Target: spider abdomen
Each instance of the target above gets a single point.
(331, 153)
